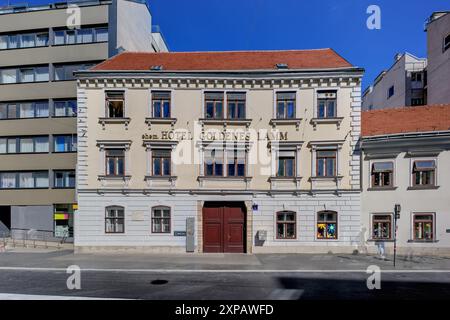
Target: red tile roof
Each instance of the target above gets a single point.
(406, 120)
(225, 60)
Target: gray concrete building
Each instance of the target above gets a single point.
(438, 48)
(40, 48)
(413, 81)
(403, 84)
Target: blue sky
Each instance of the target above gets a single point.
(198, 25)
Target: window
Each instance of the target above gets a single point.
(382, 173)
(286, 164)
(326, 163)
(115, 104)
(417, 101)
(285, 105)
(236, 105)
(236, 163)
(214, 105)
(26, 40)
(65, 108)
(15, 110)
(391, 92)
(85, 35)
(214, 162)
(286, 225)
(416, 76)
(8, 76)
(63, 217)
(81, 35)
(161, 104)
(115, 162)
(24, 144)
(24, 75)
(326, 104)
(64, 179)
(423, 173)
(65, 71)
(423, 225)
(65, 143)
(161, 162)
(101, 34)
(24, 180)
(161, 220)
(381, 226)
(115, 220)
(59, 37)
(327, 225)
(446, 43)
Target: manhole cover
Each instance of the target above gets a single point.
(159, 282)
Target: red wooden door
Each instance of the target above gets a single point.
(223, 229)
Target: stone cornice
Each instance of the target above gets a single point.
(284, 81)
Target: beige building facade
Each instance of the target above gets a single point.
(40, 47)
(219, 152)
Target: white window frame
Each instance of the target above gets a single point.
(150, 109)
(225, 101)
(411, 166)
(316, 97)
(394, 172)
(392, 225)
(297, 102)
(413, 214)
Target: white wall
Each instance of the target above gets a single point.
(435, 201)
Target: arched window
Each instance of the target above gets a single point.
(115, 219)
(160, 219)
(286, 225)
(327, 224)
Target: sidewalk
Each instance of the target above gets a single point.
(28, 258)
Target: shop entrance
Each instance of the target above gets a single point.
(224, 227)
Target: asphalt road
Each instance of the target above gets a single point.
(256, 277)
(226, 286)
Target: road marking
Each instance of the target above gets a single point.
(225, 270)
(14, 296)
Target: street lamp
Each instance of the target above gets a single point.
(397, 209)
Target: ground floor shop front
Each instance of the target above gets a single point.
(218, 223)
(38, 221)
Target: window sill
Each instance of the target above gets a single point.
(422, 241)
(150, 121)
(336, 120)
(423, 188)
(282, 122)
(104, 121)
(380, 240)
(322, 178)
(276, 178)
(223, 178)
(381, 188)
(63, 152)
(168, 181)
(118, 178)
(225, 122)
(75, 44)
